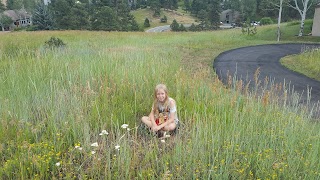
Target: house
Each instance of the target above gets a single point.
(316, 21)
(229, 16)
(20, 18)
(46, 2)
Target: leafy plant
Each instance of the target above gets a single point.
(54, 42)
(164, 19)
(146, 23)
(266, 21)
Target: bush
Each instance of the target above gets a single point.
(54, 42)
(182, 28)
(293, 23)
(146, 23)
(193, 27)
(174, 26)
(164, 19)
(266, 21)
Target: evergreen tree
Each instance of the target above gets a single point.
(79, 17)
(248, 9)
(134, 26)
(203, 18)
(193, 27)
(5, 21)
(14, 4)
(164, 19)
(146, 23)
(155, 7)
(187, 6)
(61, 13)
(214, 10)
(174, 26)
(123, 15)
(105, 19)
(2, 7)
(29, 5)
(42, 18)
(182, 28)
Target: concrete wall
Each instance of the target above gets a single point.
(316, 22)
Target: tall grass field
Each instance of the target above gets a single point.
(63, 110)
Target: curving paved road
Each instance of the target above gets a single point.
(243, 63)
(159, 29)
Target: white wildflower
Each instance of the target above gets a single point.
(80, 148)
(76, 147)
(93, 152)
(162, 140)
(124, 126)
(103, 132)
(117, 147)
(58, 164)
(95, 144)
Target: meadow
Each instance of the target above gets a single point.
(63, 110)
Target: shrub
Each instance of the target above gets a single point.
(182, 28)
(164, 19)
(266, 21)
(249, 29)
(192, 27)
(54, 42)
(146, 23)
(293, 23)
(174, 26)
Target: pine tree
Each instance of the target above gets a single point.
(146, 23)
(182, 28)
(4, 21)
(2, 7)
(105, 19)
(79, 17)
(174, 26)
(42, 18)
(61, 13)
(214, 10)
(14, 4)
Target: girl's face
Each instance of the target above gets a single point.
(161, 95)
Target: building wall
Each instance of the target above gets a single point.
(316, 22)
(46, 2)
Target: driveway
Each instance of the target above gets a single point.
(243, 63)
(167, 28)
(159, 29)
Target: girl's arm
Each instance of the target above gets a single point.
(151, 117)
(170, 118)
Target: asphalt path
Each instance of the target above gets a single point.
(159, 29)
(167, 28)
(242, 63)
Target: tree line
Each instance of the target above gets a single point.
(115, 15)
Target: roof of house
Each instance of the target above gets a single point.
(17, 14)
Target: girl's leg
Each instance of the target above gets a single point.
(170, 127)
(146, 121)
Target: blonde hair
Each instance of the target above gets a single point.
(155, 102)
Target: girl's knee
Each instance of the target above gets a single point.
(171, 127)
(145, 118)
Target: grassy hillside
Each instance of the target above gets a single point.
(179, 15)
(54, 104)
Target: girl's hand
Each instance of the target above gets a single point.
(155, 128)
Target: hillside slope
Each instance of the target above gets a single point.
(179, 15)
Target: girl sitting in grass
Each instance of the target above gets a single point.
(163, 116)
